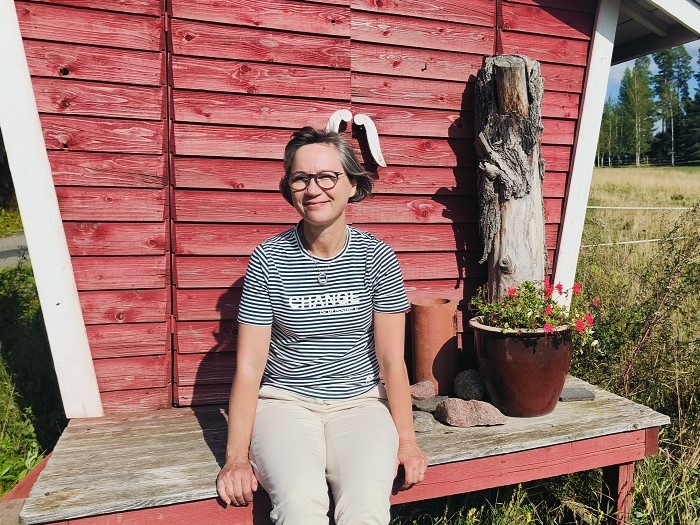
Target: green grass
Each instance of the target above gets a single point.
(10, 222)
(32, 416)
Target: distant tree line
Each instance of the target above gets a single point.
(654, 117)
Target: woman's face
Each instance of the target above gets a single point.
(317, 206)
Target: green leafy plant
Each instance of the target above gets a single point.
(536, 305)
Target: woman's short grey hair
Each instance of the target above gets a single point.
(351, 165)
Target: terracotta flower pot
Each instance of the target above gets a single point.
(524, 370)
(434, 341)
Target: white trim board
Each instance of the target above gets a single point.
(590, 116)
(685, 12)
(43, 228)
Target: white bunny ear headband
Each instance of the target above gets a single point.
(344, 115)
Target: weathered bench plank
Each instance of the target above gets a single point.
(122, 463)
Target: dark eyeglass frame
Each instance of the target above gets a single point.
(301, 176)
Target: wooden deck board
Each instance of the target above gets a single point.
(125, 462)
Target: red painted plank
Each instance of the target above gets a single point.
(204, 369)
(583, 6)
(247, 207)
(460, 289)
(425, 237)
(259, 45)
(553, 210)
(554, 184)
(547, 21)
(527, 465)
(406, 121)
(562, 78)
(103, 238)
(100, 134)
(82, 26)
(69, 97)
(128, 373)
(438, 265)
(209, 272)
(130, 401)
(121, 273)
(226, 108)
(207, 395)
(560, 105)
(143, 7)
(420, 180)
(77, 168)
(546, 48)
(417, 93)
(412, 151)
(207, 305)
(557, 158)
(219, 141)
(259, 78)
(558, 131)
(111, 204)
(220, 173)
(414, 62)
(207, 336)
(58, 60)
(125, 340)
(478, 12)
(222, 239)
(133, 306)
(426, 34)
(289, 15)
(414, 209)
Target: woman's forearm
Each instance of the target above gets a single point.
(399, 394)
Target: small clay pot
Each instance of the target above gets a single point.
(434, 341)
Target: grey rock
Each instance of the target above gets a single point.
(469, 384)
(461, 413)
(423, 390)
(423, 421)
(428, 405)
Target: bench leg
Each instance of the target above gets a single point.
(617, 490)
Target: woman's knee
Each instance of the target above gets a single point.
(299, 506)
(363, 507)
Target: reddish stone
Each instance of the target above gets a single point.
(423, 390)
(461, 413)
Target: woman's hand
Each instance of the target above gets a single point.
(414, 463)
(236, 482)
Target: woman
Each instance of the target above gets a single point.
(322, 312)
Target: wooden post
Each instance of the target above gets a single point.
(510, 172)
(617, 491)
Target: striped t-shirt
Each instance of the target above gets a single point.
(322, 343)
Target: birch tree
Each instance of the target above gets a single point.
(636, 100)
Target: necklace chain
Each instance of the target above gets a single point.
(322, 276)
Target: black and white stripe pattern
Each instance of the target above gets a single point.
(322, 334)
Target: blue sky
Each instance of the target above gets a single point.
(617, 71)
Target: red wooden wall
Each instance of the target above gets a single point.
(166, 131)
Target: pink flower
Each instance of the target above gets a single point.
(580, 326)
(577, 288)
(548, 328)
(548, 310)
(548, 289)
(560, 288)
(596, 302)
(511, 291)
(589, 319)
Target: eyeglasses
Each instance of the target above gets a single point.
(325, 180)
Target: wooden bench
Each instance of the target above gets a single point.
(160, 466)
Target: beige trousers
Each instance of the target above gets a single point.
(300, 446)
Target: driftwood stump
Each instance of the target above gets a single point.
(510, 172)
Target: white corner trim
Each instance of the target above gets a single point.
(684, 12)
(600, 57)
(46, 239)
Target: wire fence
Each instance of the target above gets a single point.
(638, 241)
